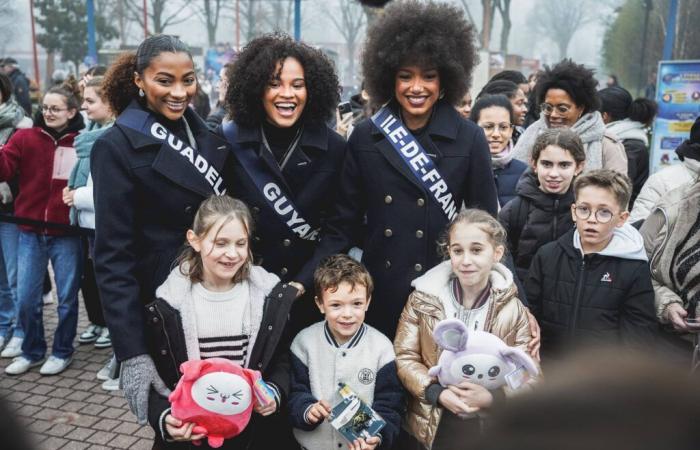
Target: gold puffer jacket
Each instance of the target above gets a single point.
(416, 350)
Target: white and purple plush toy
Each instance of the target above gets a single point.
(478, 357)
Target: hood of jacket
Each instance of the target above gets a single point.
(626, 243)
(628, 129)
(529, 187)
(74, 125)
(435, 281)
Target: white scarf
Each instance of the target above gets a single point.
(502, 159)
(590, 128)
(628, 129)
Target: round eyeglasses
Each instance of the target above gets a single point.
(547, 109)
(602, 215)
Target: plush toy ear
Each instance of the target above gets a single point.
(451, 334)
(434, 371)
(251, 375)
(191, 369)
(520, 358)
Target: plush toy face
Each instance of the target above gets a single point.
(222, 393)
(487, 370)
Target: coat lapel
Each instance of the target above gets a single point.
(177, 168)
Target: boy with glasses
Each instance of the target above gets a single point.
(593, 286)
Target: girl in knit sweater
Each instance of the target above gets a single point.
(216, 303)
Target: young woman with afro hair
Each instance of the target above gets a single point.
(417, 62)
(568, 98)
(286, 160)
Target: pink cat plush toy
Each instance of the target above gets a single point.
(478, 357)
(217, 395)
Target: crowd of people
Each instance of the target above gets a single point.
(319, 256)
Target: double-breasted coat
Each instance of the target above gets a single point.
(146, 195)
(403, 222)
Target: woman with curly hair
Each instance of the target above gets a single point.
(150, 171)
(409, 168)
(568, 98)
(286, 160)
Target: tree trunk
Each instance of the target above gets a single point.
(487, 21)
(50, 67)
(563, 45)
(505, 31)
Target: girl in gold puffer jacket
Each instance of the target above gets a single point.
(475, 288)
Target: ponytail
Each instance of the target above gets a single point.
(69, 90)
(643, 110)
(118, 87)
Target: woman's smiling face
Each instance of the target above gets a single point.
(285, 95)
(169, 83)
(416, 89)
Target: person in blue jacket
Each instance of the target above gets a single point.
(286, 160)
(494, 114)
(395, 199)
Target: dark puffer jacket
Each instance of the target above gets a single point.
(601, 298)
(637, 165)
(534, 218)
(507, 180)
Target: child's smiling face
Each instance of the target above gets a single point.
(345, 309)
(472, 254)
(223, 250)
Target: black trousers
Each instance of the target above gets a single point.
(88, 286)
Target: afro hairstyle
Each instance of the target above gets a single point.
(431, 35)
(256, 66)
(575, 79)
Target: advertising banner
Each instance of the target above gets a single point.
(678, 97)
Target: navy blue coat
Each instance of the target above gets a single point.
(404, 223)
(507, 179)
(311, 174)
(146, 196)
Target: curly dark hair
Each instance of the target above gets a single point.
(575, 79)
(428, 34)
(119, 88)
(255, 68)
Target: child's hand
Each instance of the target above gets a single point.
(318, 412)
(451, 401)
(265, 410)
(362, 444)
(68, 196)
(474, 395)
(181, 431)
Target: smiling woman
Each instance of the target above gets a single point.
(151, 171)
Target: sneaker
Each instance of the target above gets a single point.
(54, 366)
(13, 348)
(90, 334)
(20, 365)
(105, 372)
(112, 384)
(47, 298)
(104, 341)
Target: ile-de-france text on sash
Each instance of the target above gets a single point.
(274, 192)
(200, 163)
(417, 160)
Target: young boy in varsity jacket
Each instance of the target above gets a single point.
(593, 286)
(342, 349)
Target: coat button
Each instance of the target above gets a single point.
(269, 328)
(418, 267)
(256, 209)
(420, 202)
(155, 320)
(256, 238)
(151, 309)
(419, 234)
(387, 264)
(344, 354)
(388, 199)
(164, 352)
(188, 209)
(283, 271)
(388, 232)
(286, 242)
(259, 365)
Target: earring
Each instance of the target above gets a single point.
(141, 93)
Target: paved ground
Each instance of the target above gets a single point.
(70, 410)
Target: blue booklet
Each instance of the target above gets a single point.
(353, 418)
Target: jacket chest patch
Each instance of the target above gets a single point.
(606, 278)
(365, 376)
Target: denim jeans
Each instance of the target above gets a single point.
(9, 305)
(34, 252)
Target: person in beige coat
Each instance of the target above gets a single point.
(475, 288)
